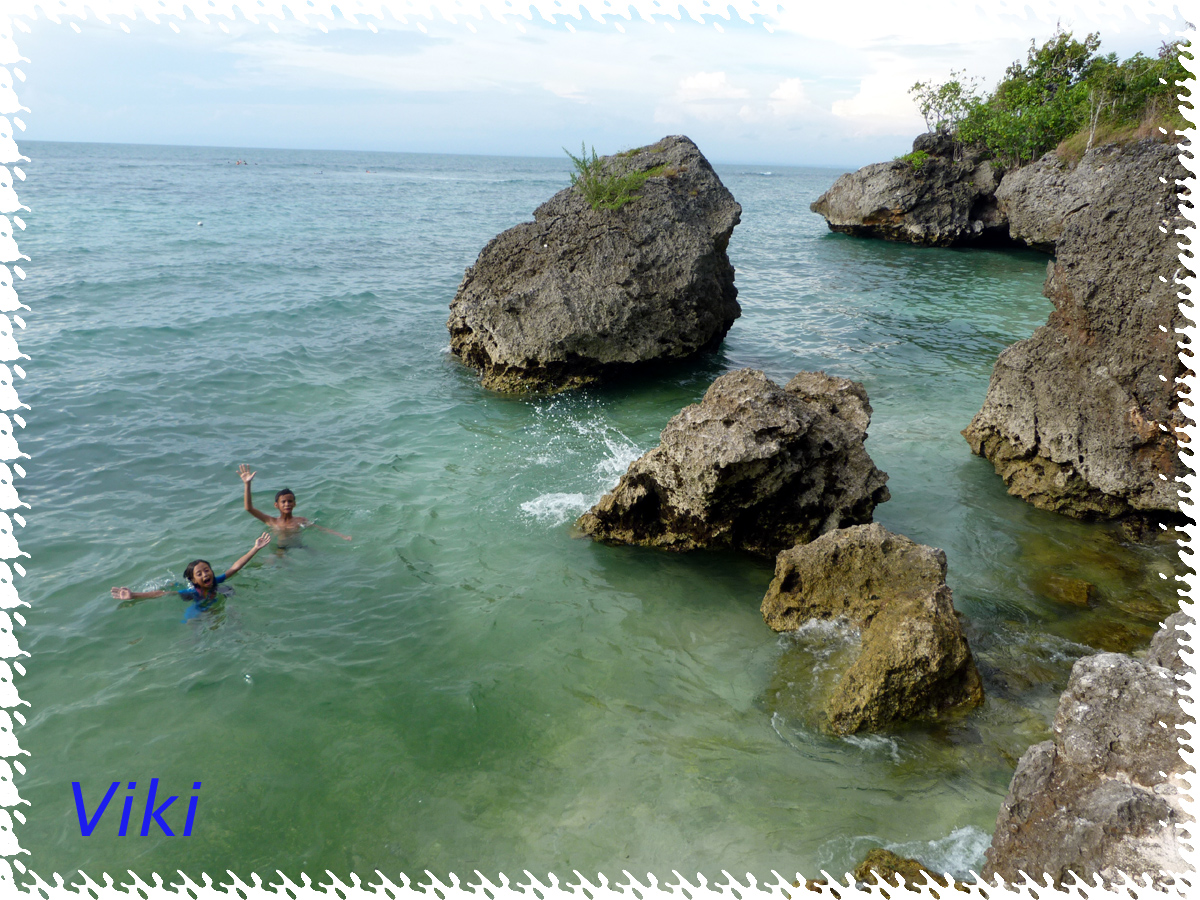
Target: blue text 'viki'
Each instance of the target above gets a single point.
(87, 824)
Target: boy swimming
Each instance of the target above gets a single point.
(202, 581)
(285, 501)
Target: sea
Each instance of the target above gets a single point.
(466, 684)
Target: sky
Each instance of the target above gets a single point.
(813, 83)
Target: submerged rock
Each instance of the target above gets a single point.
(914, 660)
(887, 867)
(580, 294)
(1106, 794)
(1081, 417)
(752, 466)
(946, 199)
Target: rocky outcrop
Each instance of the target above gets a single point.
(580, 294)
(1038, 198)
(1168, 643)
(1081, 417)
(752, 466)
(1105, 795)
(914, 660)
(944, 196)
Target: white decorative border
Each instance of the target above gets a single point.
(16, 17)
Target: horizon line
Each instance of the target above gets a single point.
(408, 152)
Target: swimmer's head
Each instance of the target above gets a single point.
(200, 574)
(285, 501)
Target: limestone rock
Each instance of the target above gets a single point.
(914, 660)
(947, 200)
(1038, 198)
(579, 294)
(752, 466)
(1105, 794)
(1081, 417)
(1165, 648)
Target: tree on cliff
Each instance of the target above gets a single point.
(1063, 92)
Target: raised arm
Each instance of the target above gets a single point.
(263, 540)
(247, 476)
(124, 593)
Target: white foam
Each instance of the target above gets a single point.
(957, 853)
(874, 744)
(621, 454)
(839, 629)
(556, 509)
(779, 726)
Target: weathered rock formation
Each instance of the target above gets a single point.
(946, 199)
(1105, 795)
(1038, 198)
(1081, 417)
(753, 466)
(914, 661)
(579, 294)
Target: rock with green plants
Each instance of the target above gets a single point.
(624, 269)
(939, 195)
(1039, 124)
(1082, 417)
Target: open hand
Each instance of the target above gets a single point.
(263, 539)
(245, 474)
(122, 593)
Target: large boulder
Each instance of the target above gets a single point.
(1105, 796)
(914, 660)
(1081, 417)
(941, 195)
(579, 293)
(752, 466)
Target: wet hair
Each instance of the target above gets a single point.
(286, 492)
(191, 569)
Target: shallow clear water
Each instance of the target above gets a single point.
(465, 685)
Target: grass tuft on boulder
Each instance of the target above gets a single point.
(600, 185)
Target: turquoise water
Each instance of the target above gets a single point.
(465, 685)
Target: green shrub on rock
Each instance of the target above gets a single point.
(602, 187)
(916, 159)
(1062, 95)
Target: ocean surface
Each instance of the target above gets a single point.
(465, 685)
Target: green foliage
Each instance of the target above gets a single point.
(1062, 89)
(916, 159)
(1142, 87)
(603, 188)
(1038, 103)
(945, 105)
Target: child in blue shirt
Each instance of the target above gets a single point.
(202, 581)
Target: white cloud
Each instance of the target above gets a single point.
(789, 98)
(706, 87)
(566, 90)
(882, 105)
(703, 96)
